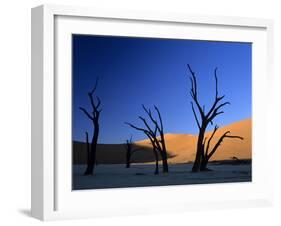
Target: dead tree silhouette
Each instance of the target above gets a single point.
(94, 117)
(129, 151)
(203, 154)
(154, 148)
(158, 143)
(208, 155)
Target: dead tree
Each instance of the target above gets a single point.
(129, 152)
(203, 120)
(208, 154)
(94, 117)
(154, 148)
(158, 142)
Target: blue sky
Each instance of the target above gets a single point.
(152, 71)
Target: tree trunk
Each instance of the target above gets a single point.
(156, 162)
(199, 150)
(203, 166)
(164, 162)
(128, 164)
(164, 152)
(92, 161)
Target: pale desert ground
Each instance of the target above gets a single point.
(111, 172)
(139, 175)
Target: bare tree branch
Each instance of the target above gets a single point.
(86, 113)
(91, 100)
(215, 111)
(193, 92)
(225, 135)
(160, 118)
(194, 113)
(157, 128)
(152, 134)
(95, 87)
(238, 137)
(98, 104)
(137, 128)
(147, 126)
(209, 141)
(216, 78)
(95, 106)
(149, 113)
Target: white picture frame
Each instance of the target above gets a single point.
(52, 197)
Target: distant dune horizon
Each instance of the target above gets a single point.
(181, 148)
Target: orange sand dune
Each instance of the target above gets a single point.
(181, 147)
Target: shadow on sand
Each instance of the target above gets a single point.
(113, 153)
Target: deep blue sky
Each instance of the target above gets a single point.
(152, 71)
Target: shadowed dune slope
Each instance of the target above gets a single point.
(181, 147)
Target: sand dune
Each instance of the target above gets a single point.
(181, 147)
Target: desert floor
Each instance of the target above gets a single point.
(142, 175)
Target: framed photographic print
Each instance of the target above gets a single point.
(137, 112)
